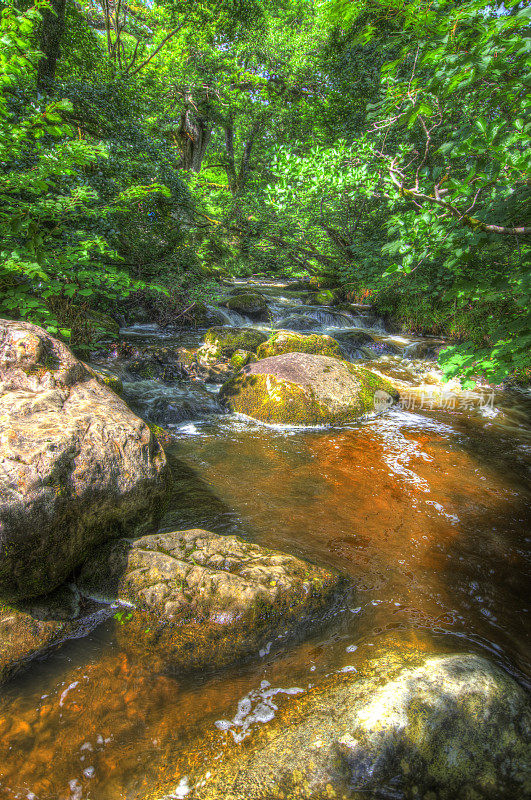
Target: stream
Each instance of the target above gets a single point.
(426, 508)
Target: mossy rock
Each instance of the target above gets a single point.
(240, 359)
(164, 437)
(296, 322)
(226, 340)
(305, 389)
(354, 338)
(291, 342)
(252, 304)
(417, 726)
(198, 599)
(325, 297)
(201, 316)
(151, 362)
(107, 379)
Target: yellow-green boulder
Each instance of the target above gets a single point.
(292, 342)
(306, 389)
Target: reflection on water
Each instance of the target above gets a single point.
(427, 512)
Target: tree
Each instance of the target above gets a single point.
(47, 207)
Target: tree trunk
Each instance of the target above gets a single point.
(194, 135)
(53, 25)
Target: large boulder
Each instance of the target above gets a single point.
(199, 599)
(305, 389)
(291, 342)
(422, 727)
(77, 466)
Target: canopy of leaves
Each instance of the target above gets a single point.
(383, 143)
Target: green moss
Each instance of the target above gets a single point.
(102, 326)
(247, 303)
(240, 358)
(279, 401)
(325, 297)
(163, 436)
(111, 381)
(290, 342)
(228, 340)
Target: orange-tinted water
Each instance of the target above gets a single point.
(428, 513)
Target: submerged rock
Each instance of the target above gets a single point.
(29, 630)
(451, 727)
(305, 389)
(296, 322)
(204, 600)
(290, 342)
(77, 465)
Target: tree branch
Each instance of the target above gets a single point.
(159, 48)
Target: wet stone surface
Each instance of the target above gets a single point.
(200, 600)
(413, 726)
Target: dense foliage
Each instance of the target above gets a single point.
(382, 145)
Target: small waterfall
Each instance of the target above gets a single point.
(232, 318)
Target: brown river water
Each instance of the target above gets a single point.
(427, 510)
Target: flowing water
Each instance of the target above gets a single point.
(426, 508)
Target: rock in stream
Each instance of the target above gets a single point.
(201, 600)
(415, 726)
(305, 389)
(78, 467)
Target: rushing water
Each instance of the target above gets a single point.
(427, 509)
